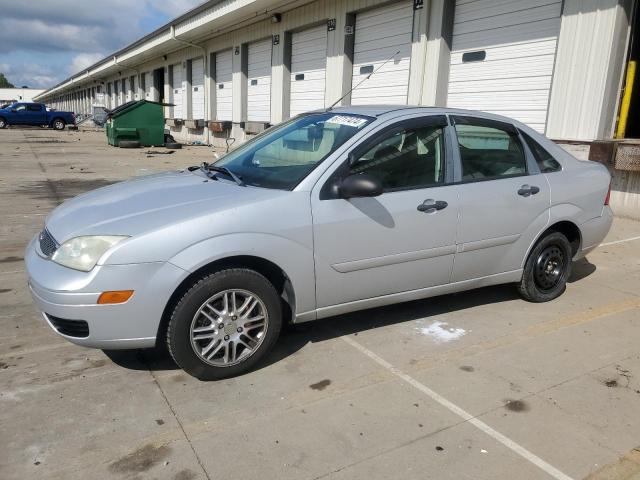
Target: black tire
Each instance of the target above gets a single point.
(547, 269)
(3, 123)
(185, 314)
(58, 124)
(169, 138)
(173, 145)
(129, 144)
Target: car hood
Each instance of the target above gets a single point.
(147, 203)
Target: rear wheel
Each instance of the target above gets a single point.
(547, 269)
(224, 324)
(59, 124)
(3, 123)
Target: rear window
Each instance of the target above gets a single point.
(544, 159)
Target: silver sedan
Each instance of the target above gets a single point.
(330, 212)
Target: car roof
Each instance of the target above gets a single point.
(399, 110)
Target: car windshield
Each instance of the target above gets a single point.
(281, 157)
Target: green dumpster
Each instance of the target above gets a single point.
(139, 121)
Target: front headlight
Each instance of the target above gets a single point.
(82, 253)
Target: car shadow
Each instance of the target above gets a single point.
(295, 337)
(581, 269)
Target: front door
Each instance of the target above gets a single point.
(504, 199)
(401, 240)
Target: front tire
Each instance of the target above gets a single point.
(224, 324)
(3, 123)
(547, 269)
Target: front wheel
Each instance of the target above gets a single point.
(224, 324)
(3, 123)
(547, 269)
(59, 124)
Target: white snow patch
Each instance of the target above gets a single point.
(442, 332)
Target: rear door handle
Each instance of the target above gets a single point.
(430, 205)
(527, 190)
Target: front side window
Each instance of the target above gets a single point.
(545, 161)
(406, 159)
(20, 107)
(281, 157)
(489, 152)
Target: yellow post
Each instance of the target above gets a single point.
(626, 100)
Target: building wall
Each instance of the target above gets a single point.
(18, 94)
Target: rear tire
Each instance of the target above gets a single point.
(210, 339)
(3, 123)
(547, 269)
(129, 144)
(173, 145)
(58, 124)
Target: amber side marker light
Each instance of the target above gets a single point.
(119, 296)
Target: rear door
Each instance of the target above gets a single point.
(308, 68)
(259, 81)
(504, 198)
(35, 114)
(197, 88)
(224, 86)
(399, 241)
(383, 44)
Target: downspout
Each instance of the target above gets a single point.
(172, 30)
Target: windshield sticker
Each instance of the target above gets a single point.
(348, 121)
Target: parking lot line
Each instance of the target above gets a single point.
(466, 416)
(624, 240)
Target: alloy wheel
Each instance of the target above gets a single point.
(229, 327)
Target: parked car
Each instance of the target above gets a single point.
(35, 114)
(330, 212)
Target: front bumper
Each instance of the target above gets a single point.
(61, 293)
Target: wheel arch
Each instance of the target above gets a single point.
(272, 272)
(568, 228)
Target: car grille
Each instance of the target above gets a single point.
(71, 328)
(48, 245)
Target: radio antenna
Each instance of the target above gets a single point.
(363, 80)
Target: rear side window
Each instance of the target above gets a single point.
(489, 152)
(545, 161)
(34, 108)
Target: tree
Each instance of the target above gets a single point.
(4, 83)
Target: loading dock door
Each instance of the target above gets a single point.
(176, 85)
(197, 89)
(502, 57)
(308, 68)
(259, 81)
(224, 87)
(380, 33)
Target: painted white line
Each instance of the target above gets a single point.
(620, 241)
(466, 416)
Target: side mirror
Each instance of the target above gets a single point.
(360, 185)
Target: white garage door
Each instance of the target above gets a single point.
(197, 89)
(127, 89)
(502, 57)
(380, 33)
(308, 67)
(224, 86)
(259, 81)
(176, 85)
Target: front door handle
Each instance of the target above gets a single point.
(527, 190)
(430, 205)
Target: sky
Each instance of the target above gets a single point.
(42, 42)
